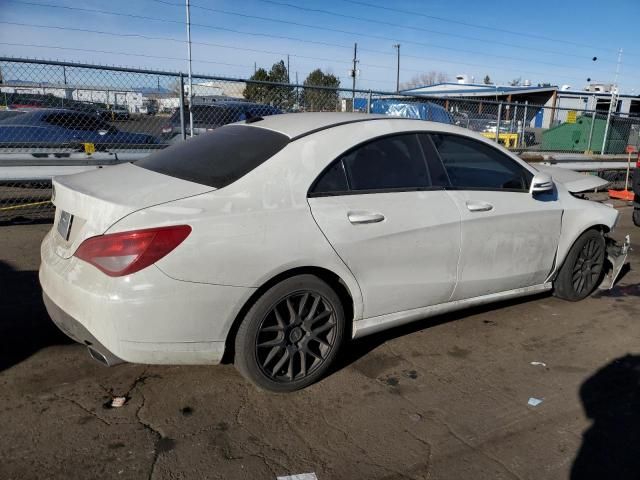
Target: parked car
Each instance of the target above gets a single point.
(115, 112)
(487, 123)
(276, 240)
(410, 109)
(210, 116)
(60, 126)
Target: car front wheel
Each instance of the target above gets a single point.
(583, 267)
(291, 334)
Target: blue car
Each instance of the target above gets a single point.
(409, 109)
(53, 127)
(213, 115)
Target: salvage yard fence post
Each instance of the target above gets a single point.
(593, 123)
(499, 121)
(183, 132)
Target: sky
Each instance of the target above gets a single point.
(543, 41)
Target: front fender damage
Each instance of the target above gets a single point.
(617, 257)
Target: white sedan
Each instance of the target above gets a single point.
(278, 239)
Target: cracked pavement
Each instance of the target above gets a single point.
(438, 399)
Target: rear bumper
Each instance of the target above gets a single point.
(146, 317)
(76, 331)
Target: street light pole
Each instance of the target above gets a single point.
(189, 71)
(397, 47)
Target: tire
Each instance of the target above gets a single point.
(582, 270)
(291, 335)
(636, 217)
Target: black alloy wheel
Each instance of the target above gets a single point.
(296, 336)
(583, 267)
(291, 334)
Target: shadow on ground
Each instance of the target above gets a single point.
(611, 446)
(357, 349)
(25, 326)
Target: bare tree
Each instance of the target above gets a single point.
(516, 82)
(425, 79)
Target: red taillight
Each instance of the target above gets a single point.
(119, 254)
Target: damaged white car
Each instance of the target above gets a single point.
(277, 240)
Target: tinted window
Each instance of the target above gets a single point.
(217, 158)
(76, 121)
(472, 164)
(332, 180)
(387, 163)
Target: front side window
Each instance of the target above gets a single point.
(394, 162)
(474, 165)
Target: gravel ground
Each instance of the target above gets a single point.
(445, 398)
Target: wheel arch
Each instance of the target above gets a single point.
(347, 298)
(566, 245)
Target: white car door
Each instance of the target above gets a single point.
(398, 234)
(509, 236)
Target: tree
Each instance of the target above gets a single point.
(257, 92)
(424, 79)
(516, 82)
(317, 99)
(487, 80)
(279, 95)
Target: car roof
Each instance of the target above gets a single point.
(296, 125)
(29, 117)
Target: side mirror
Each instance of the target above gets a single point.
(541, 182)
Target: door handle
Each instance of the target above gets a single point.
(364, 217)
(479, 206)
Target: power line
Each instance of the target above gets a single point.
(144, 55)
(474, 25)
(281, 21)
(411, 27)
(112, 52)
(378, 37)
(282, 54)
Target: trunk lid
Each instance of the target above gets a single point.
(99, 198)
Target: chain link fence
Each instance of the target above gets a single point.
(58, 108)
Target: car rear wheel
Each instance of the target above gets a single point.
(583, 267)
(291, 335)
(636, 217)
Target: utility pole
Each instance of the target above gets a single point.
(255, 67)
(189, 72)
(288, 77)
(613, 104)
(353, 74)
(397, 47)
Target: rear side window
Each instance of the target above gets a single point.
(474, 165)
(394, 162)
(332, 181)
(217, 158)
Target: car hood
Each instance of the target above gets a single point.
(575, 182)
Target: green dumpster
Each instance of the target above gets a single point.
(574, 137)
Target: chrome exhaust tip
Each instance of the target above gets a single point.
(107, 360)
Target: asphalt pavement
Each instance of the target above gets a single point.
(446, 398)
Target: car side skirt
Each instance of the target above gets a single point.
(371, 325)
